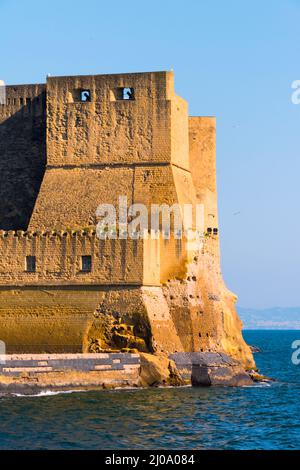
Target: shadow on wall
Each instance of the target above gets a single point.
(22, 162)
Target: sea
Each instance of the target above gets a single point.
(260, 416)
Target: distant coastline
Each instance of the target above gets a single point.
(275, 318)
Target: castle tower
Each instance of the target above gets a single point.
(99, 138)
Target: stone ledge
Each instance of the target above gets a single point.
(27, 369)
(211, 368)
(30, 363)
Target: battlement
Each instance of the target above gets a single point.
(25, 100)
(29, 234)
(76, 257)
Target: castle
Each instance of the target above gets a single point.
(74, 143)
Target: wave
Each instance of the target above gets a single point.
(47, 393)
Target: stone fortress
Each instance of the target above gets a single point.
(74, 143)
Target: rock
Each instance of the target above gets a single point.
(257, 377)
(211, 368)
(158, 370)
(255, 349)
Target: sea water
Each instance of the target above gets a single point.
(263, 416)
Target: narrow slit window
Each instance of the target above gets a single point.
(86, 264)
(30, 264)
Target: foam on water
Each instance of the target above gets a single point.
(47, 393)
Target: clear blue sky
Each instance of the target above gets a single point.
(233, 59)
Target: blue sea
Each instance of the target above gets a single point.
(263, 416)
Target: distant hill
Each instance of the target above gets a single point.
(276, 318)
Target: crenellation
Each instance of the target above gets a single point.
(113, 262)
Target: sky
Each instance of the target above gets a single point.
(235, 60)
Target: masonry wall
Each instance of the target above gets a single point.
(106, 129)
(202, 145)
(107, 147)
(59, 259)
(22, 153)
(67, 371)
(16, 366)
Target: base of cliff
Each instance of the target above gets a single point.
(158, 370)
(32, 374)
(211, 368)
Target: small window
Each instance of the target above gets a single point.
(78, 122)
(85, 95)
(209, 230)
(30, 264)
(21, 101)
(122, 94)
(80, 95)
(86, 264)
(215, 231)
(128, 94)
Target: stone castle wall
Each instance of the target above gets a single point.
(22, 153)
(106, 147)
(58, 257)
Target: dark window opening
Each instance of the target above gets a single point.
(28, 101)
(30, 264)
(86, 264)
(122, 94)
(80, 95)
(215, 231)
(146, 175)
(78, 122)
(85, 95)
(209, 230)
(21, 101)
(128, 94)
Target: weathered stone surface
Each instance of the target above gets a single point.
(68, 371)
(29, 374)
(205, 369)
(158, 371)
(167, 296)
(22, 153)
(19, 364)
